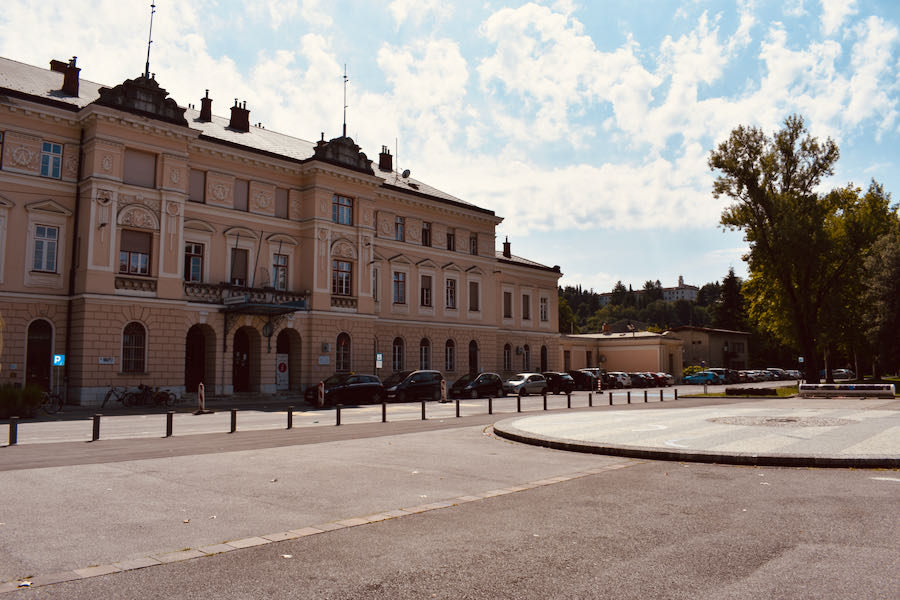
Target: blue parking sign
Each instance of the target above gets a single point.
(59, 360)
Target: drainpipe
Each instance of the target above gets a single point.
(73, 263)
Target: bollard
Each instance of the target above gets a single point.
(629, 396)
(384, 412)
(645, 396)
(457, 407)
(338, 408)
(568, 400)
(590, 400)
(660, 395)
(96, 433)
(13, 431)
(290, 417)
(610, 398)
(423, 410)
(545, 400)
(518, 403)
(676, 393)
(233, 420)
(169, 415)
(490, 405)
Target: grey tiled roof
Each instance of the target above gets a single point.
(521, 261)
(44, 83)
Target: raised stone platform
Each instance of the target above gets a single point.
(861, 433)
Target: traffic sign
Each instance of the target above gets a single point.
(59, 360)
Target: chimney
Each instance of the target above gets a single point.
(506, 252)
(240, 117)
(70, 75)
(206, 108)
(385, 160)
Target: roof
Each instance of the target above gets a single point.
(43, 85)
(616, 336)
(708, 330)
(523, 262)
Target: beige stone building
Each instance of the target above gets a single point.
(637, 351)
(146, 242)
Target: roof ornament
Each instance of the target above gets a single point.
(345, 99)
(149, 41)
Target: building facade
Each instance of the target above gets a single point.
(708, 347)
(634, 351)
(145, 242)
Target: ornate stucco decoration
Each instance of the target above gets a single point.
(343, 151)
(144, 97)
(342, 248)
(138, 216)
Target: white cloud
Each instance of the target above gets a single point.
(418, 11)
(834, 12)
(874, 75)
(794, 8)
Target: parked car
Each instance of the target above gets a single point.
(559, 383)
(584, 381)
(477, 385)
(728, 376)
(780, 374)
(523, 384)
(703, 377)
(618, 379)
(842, 374)
(664, 379)
(640, 380)
(414, 385)
(347, 388)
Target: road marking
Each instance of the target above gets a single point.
(895, 479)
(652, 427)
(674, 444)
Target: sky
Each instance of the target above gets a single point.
(587, 126)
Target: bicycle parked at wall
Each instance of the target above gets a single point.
(120, 394)
(146, 394)
(51, 402)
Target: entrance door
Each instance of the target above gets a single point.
(240, 374)
(194, 359)
(37, 354)
(473, 356)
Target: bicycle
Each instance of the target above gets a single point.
(51, 402)
(153, 395)
(121, 394)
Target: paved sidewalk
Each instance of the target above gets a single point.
(796, 432)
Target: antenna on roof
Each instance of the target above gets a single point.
(149, 41)
(345, 99)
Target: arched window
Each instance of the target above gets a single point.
(424, 354)
(342, 354)
(397, 351)
(473, 356)
(450, 356)
(526, 357)
(507, 357)
(134, 348)
(544, 362)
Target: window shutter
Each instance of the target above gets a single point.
(136, 241)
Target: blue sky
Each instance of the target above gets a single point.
(586, 125)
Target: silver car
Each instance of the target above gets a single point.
(523, 384)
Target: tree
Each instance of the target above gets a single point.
(566, 317)
(728, 310)
(618, 295)
(882, 300)
(652, 291)
(803, 244)
(709, 293)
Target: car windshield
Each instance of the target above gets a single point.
(519, 377)
(465, 379)
(396, 378)
(335, 379)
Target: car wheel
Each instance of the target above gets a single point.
(556, 391)
(523, 392)
(500, 392)
(377, 398)
(437, 396)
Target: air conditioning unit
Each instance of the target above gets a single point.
(326, 347)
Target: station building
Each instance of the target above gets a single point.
(146, 242)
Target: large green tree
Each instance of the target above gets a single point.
(803, 243)
(728, 310)
(882, 300)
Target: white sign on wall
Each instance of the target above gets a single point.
(282, 377)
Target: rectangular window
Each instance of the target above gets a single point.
(545, 309)
(426, 290)
(473, 296)
(450, 356)
(451, 240)
(375, 285)
(241, 194)
(526, 307)
(238, 266)
(450, 294)
(341, 277)
(280, 271)
(399, 229)
(473, 244)
(140, 168)
(197, 191)
(193, 261)
(281, 203)
(426, 234)
(507, 305)
(51, 160)
(399, 287)
(134, 253)
(341, 210)
(45, 241)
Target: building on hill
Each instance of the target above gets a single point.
(682, 291)
(146, 242)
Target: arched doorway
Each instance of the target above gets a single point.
(287, 360)
(199, 359)
(38, 354)
(473, 356)
(245, 360)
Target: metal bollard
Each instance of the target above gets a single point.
(457, 407)
(568, 400)
(629, 396)
(13, 431)
(545, 400)
(338, 408)
(610, 398)
(169, 415)
(384, 412)
(490, 405)
(96, 433)
(590, 400)
(645, 396)
(233, 420)
(660, 395)
(423, 410)
(290, 417)
(518, 403)
(676, 393)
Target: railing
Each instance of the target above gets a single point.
(218, 293)
(135, 284)
(343, 302)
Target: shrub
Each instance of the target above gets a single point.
(30, 400)
(691, 370)
(9, 401)
(19, 402)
